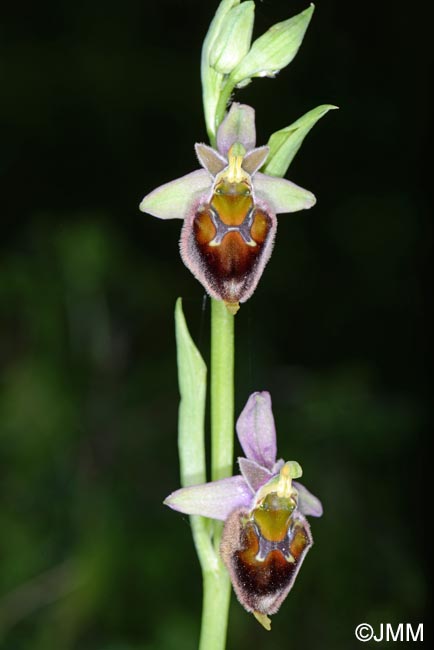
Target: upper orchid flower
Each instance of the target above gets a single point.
(266, 535)
(229, 209)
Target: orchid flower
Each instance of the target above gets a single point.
(266, 535)
(229, 209)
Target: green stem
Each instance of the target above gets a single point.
(227, 87)
(216, 583)
(215, 609)
(222, 391)
(225, 95)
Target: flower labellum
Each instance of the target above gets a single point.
(229, 210)
(263, 549)
(266, 535)
(232, 233)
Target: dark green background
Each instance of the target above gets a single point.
(100, 104)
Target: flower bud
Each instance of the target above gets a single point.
(234, 38)
(211, 79)
(273, 50)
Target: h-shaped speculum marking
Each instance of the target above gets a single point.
(222, 228)
(266, 546)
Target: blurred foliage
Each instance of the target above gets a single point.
(101, 104)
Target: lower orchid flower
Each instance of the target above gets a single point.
(266, 535)
(229, 210)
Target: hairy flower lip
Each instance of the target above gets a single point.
(257, 436)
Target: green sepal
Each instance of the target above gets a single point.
(285, 143)
(173, 200)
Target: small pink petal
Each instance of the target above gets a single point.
(277, 466)
(255, 159)
(255, 475)
(210, 159)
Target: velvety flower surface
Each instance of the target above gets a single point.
(229, 209)
(266, 534)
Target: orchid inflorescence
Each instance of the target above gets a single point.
(229, 206)
(229, 209)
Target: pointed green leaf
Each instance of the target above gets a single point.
(191, 430)
(273, 50)
(191, 418)
(285, 143)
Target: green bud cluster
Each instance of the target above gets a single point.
(230, 60)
